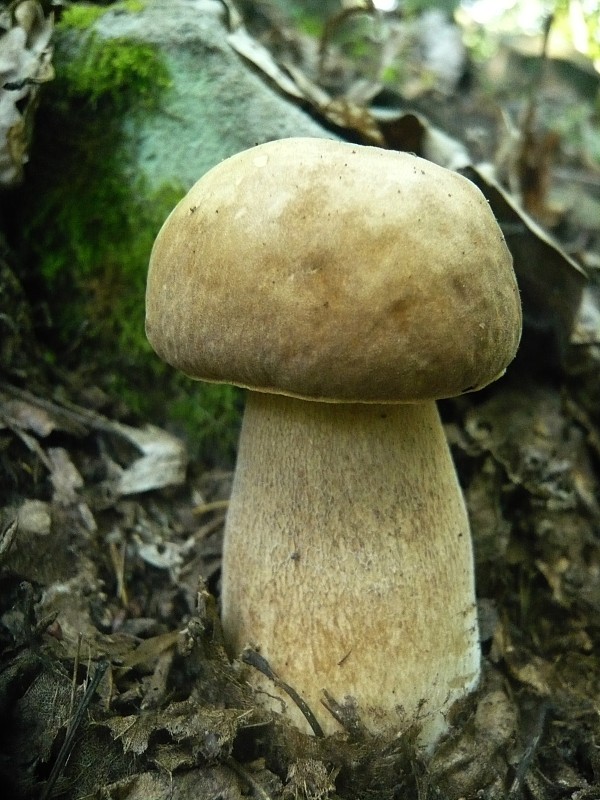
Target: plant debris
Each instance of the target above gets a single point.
(25, 63)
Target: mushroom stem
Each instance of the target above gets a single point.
(348, 562)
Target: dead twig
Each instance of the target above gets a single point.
(69, 742)
(346, 714)
(254, 659)
(206, 508)
(8, 534)
(537, 730)
(245, 775)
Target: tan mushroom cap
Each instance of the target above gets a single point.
(335, 272)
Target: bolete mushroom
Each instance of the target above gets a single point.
(347, 288)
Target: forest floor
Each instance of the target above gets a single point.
(113, 679)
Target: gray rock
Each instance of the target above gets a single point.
(217, 105)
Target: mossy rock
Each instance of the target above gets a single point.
(148, 96)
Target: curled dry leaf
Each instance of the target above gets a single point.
(204, 733)
(214, 781)
(34, 517)
(551, 282)
(25, 63)
(162, 463)
(163, 457)
(586, 329)
(526, 667)
(477, 755)
(530, 437)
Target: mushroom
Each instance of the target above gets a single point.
(347, 288)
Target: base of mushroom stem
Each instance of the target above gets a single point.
(426, 728)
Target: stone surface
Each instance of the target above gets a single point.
(217, 105)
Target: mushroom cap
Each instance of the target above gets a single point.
(334, 272)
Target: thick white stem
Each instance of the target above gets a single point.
(348, 562)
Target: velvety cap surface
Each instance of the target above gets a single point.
(332, 271)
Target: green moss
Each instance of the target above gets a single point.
(82, 16)
(132, 6)
(92, 221)
(116, 70)
(91, 237)
(208, 415)
(106, 232)
(310, 24)
(88, 223)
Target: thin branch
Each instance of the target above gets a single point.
(254, 659)
(69, 742)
